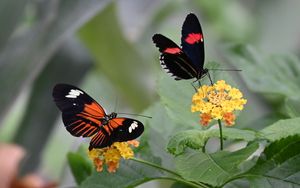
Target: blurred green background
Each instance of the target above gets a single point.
(105, 48)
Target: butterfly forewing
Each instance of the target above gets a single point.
(81, 113)
(173, 60)
(117, 130)
(83, 116)
(192, 41)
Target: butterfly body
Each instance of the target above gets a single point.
(105, 120)
(185, 62)
(84, 117)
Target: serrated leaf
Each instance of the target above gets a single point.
(196, 139)
(278, 166)
(80, 167)
(281, 129)
(275, 74)
(129, 174)
(214, 169)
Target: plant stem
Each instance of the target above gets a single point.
(155, 166)
(192, 184)
(179, 179)
(221, 134)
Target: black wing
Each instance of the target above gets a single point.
(173, 59)
(81, 113)
(192, 41)
(117, 130)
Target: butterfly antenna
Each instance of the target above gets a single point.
(194, 86)
(116, 103)
(136, 115)
(226, 69)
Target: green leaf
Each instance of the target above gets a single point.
(196, 139)
(23, 58)
(281, 129)
(158, 129)
(177, 98)
(129, 174)
(278, 165)
(273, 74)
(292, 107)
(116, 57)
(80, 167)
(11, 13)
(214, 169)
(77, 66)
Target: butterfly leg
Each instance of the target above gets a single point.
(199, 83)
(194, 86)
(209, 77)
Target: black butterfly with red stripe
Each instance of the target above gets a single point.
(186, 62)
(83, 116)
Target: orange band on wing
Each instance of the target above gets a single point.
(88, 117)
(94, 109)
(116, 122)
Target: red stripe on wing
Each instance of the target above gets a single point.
(192, 38)
(172, 50)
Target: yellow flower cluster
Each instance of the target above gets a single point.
(217, 102)
(111, 155)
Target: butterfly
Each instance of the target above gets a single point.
(83, 116)
(186, 62)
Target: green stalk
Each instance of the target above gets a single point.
(155, 166)
(221, 134)
(179, 178)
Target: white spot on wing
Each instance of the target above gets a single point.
(166, 69)
(133, 125)
(130, 129)
(74, 93)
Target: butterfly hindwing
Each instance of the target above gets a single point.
(192, 41)
(101, 139)
(117, 130)
(83, 116)
(81, 113)
(173, 59)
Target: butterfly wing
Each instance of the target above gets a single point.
(173, 59)
(192, 41)
(117, 130)
(81, 113)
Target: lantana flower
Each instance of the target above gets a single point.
(217, 102)
(110, 156)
